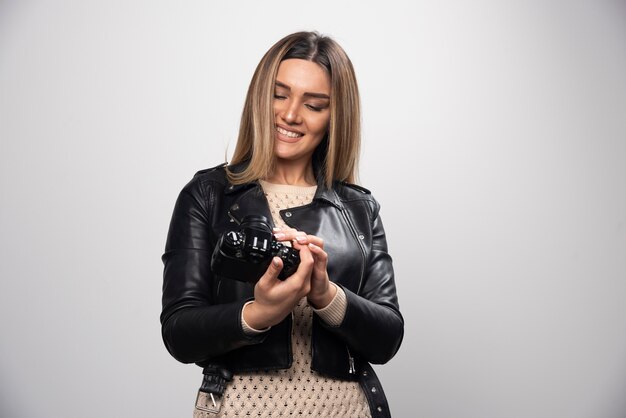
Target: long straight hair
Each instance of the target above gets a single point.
(337, 156)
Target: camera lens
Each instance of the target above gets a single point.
(256, 222)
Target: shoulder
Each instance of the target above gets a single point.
(209, 177)
(206, 182)
(214, 174)
(353, 194)
(349, 191)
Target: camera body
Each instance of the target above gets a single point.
(246, 253)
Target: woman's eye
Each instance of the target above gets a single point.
(279, 97)
(314, 108)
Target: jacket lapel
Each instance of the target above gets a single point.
(251, 201)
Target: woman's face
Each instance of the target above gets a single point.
(301, 109)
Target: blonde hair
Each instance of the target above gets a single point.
(336, 157)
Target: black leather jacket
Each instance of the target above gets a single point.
(201, 317)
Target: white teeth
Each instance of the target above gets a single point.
(288, 133)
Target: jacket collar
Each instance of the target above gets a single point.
(322, 193)
(328, 195)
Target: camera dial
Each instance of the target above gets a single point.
(245, 254)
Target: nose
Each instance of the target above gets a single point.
(289, 113)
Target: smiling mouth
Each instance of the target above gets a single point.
(288, 133)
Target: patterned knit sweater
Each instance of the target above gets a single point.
(297, 391)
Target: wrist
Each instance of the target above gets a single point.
(253, 316)
(322, 301)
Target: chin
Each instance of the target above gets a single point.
(286, 154)
(286, 157)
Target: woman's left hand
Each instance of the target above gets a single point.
(322, 289)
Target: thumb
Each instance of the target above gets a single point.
(273, 270)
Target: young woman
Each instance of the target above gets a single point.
(302, 345)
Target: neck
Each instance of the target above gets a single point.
(295, 173)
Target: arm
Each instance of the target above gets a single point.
(194, 327)
(372, 325)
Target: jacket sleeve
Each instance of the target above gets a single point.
(372, 326)
(195, 329)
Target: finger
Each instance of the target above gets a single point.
(306, 259)
(291, 234)
(320, 258)
(283, 231)
(315, 240)
(305, 269)
(272, 272)
(319, 255)
(305, 253)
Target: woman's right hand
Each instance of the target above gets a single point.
(274, 299)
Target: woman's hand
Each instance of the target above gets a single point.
(322, 289)
(274, 299)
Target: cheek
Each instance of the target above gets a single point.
(321, 125)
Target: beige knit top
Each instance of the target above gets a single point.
(297, 391)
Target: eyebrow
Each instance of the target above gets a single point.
(309, 94)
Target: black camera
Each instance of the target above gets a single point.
(246, 254)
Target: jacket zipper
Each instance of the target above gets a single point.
(289, 347)
(351, 369)
(360, 245)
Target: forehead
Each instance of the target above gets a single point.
(303, 76)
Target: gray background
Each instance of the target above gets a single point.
(503, 122)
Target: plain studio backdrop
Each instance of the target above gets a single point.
(494, 138)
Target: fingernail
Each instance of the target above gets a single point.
(275, 262)
(279, 235)
(311, 245)
(301, 240)
(277, 228)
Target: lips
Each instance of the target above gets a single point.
(288, 135)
